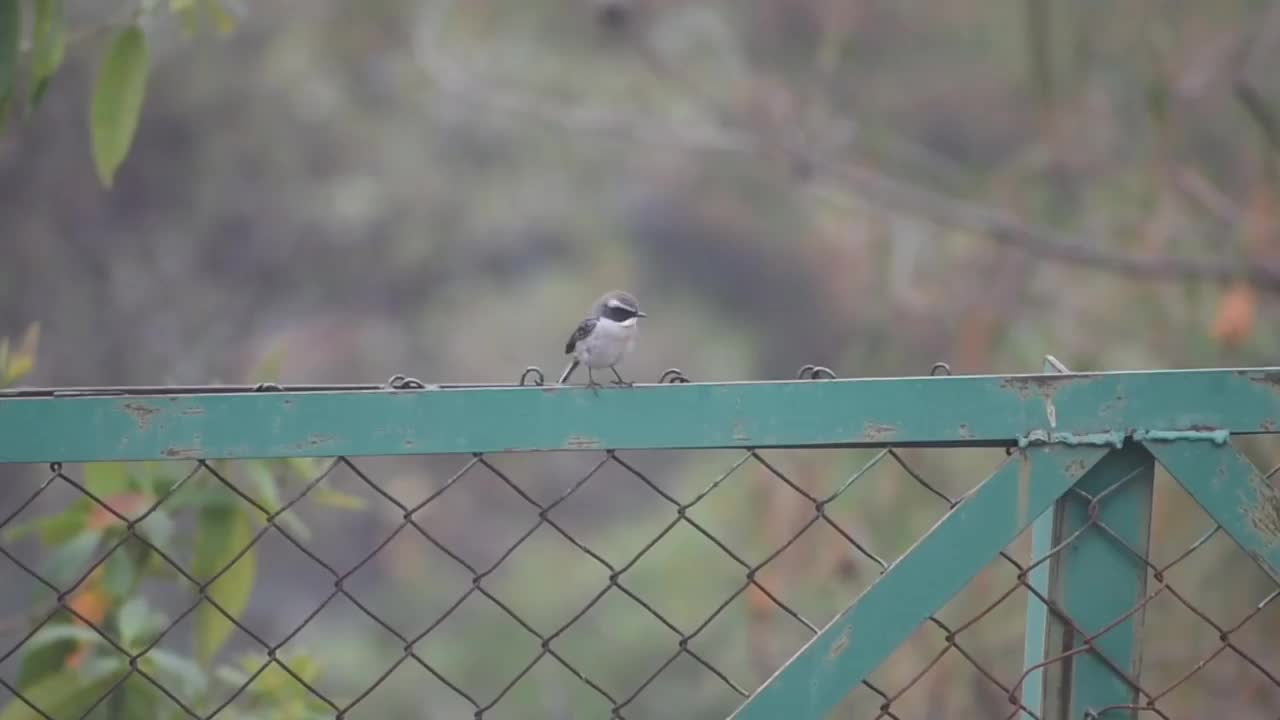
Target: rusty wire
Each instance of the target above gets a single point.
(954, 634)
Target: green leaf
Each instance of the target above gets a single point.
(100, 666)
(305, 468)
(133, 621)
(119, 573)
(268, 494)
(235, 677)
(155, 476)
(142, 700)
(337, 499)
(50, 634)
(157, 528)
(54, 529)
(71, 559)
(117, 101)
(176, 670)
(10, 34)
(196, 497)
(268, 367)
(265, 481)
(305, 667)
(65, 694)
(58, 529)
(223, 531)
(48, 46)
(105, 479)
(40, 661)
(158, 567)
(21, 364)
(224, 21)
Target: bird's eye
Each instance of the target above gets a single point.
(619, 313)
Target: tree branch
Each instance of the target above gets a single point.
(871, 186)
(1246, 91)
(1045, 243)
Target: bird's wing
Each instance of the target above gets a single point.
(580, 333)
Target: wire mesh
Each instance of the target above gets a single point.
(610, 584)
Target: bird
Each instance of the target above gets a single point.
(605, 336)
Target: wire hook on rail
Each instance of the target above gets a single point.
(816, 372)
(673, 376)
(400, 382)
(534, 372)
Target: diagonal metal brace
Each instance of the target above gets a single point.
(915, 587)
(1232, 491)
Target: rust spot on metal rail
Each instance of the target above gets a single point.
(877, 432)
(582, 442)
(841, 643)
(1043, 385)
(177, 453)
(1075, 468)
(142, 413)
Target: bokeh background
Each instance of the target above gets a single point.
(441, 189)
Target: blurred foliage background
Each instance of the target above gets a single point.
(343, 191)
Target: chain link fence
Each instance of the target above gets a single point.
(628, 584)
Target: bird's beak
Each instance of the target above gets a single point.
(640, 314)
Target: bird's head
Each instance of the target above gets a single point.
(618, 306)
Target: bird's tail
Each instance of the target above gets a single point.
(564, 377)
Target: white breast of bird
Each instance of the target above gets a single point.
(610, 341)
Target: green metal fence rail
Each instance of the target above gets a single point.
(933, 547)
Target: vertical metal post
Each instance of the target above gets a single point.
(1093, 581)
(1041, 634)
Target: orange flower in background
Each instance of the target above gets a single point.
(129, 505)
(91, 602)
(1237, 314)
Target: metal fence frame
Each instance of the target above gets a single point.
(1072, 439)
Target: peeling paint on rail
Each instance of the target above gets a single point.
(1263, 511)
(1233, 491)
(1043, 437)
(1266, 377)
(1217, 437)
(1116, 439)
(841, 643)
(141, 412)
(878, 432)
(1045, 386)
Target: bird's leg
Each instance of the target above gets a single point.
(591, 382)
(619, 381)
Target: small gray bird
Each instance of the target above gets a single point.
(604, 338)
